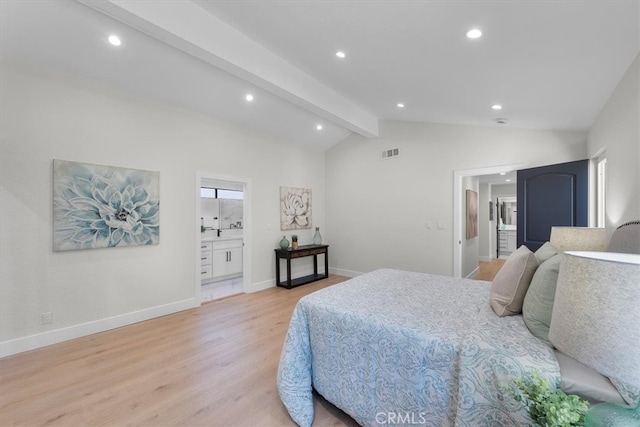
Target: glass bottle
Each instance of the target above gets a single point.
(317, 238)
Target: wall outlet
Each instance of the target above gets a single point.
(47, 318)
(441, 225)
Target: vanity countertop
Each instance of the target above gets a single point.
(220, 239)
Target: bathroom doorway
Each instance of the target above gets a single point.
(223, 236)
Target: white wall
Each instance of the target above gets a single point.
(617, 129)
(377, 210)
(486, 228)
(48, 116)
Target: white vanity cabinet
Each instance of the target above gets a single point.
(206, 257)
(226, 258)
(507, 241)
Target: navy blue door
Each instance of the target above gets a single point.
(554, 195)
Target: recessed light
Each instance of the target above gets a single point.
(474, 33)
(340, 54)
(507, 180)
(496, 107)
(503, 173)
(249, 97)
(114, 40)
(319, 127)
(400, 105)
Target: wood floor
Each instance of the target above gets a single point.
(488, 270)
(210, 366)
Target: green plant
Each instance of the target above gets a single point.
(547, 406)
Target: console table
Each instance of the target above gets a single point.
(302, 251)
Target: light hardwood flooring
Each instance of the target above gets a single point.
(210, 366)
(488, 270)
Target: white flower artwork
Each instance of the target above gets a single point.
(98, 206)
(295, 208)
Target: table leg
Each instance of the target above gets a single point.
(289, 273)
(326, 263)
(277, 270)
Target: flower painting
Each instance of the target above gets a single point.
(295, 208)
(102, 206)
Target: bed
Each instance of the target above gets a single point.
(433, 354)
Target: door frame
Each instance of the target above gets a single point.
(458, 208)
(247, 225)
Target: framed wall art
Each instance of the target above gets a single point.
(472, 214)
(97, 206)
(295, 208)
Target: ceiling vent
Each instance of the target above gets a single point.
(393, 152)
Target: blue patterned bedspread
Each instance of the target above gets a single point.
(402, 348)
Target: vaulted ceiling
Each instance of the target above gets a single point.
(549, 64)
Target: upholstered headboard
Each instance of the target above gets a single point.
(626, 238)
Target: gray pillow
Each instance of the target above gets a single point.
(576, 378)
(510, 284)
(545, 252)
(538, 302)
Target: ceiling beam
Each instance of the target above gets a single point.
(189, 28)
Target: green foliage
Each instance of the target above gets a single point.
(547, 406)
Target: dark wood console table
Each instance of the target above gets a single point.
(302, 251)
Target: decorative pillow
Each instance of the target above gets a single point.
(545, 252)
(538, 302)
(626, 238)
(576, 378)
(510, 284)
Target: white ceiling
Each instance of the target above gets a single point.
(551, 64)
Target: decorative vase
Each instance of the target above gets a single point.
(294, 242)
(610, 414)
(317, 238)
(284, 243)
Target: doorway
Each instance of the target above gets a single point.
(459, 208)
(227, 244)
(506, 226)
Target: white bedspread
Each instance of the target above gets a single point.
(411, 348)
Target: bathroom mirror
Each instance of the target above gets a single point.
(507, 211)
(221, 209)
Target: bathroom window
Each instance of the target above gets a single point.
(230, 194)
(220, 193)
(208, 193)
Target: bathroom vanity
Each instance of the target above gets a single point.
(220, 259)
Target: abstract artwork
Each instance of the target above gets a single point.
(472, 214)
(98, 206)
(295, 208)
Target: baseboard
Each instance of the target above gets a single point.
(473, 273)
(31, 342)
(485, 258)
(342, 272)
(261, 286)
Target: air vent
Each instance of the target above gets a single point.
(393, 152)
